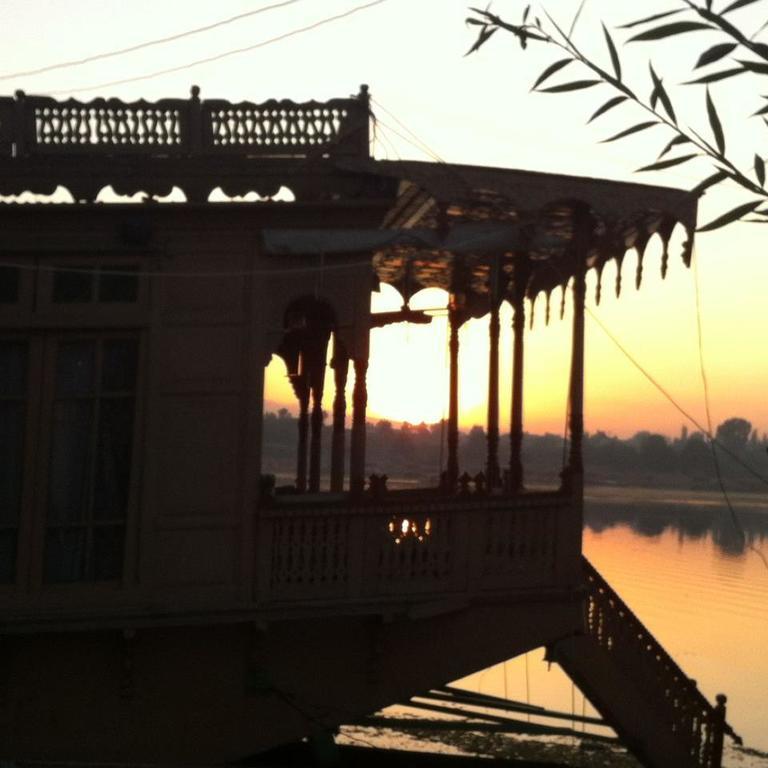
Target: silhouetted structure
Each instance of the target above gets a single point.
(163, 604)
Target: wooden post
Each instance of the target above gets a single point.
(452, 468)
(574, 474)
(359, 404)
(316, 440)
(576, 396)
(718, 731)
(492, 464)
(302, 391)
(340, 364)
(516, 419)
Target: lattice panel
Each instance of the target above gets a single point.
(265, 128)
(514, 542)
(415, 561)
(107, 127)
(308, 553)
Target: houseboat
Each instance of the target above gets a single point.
(160, 600)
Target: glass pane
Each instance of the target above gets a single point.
(70, 460)
(75, 365)
(108, 553)
(118, 371)
(113, 458)
(71, 287)
(12, 414)
(64, 554)
(8, 556)
(13, 368)
(116, 283)
(9, 285)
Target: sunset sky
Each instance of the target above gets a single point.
(475, 110)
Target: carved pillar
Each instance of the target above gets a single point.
(316, 354)
(576, 393)
(452, 468)
(492, 464)
(516, 420)
(316, 440)
(340, 366)
(302, 392)
(359, 404)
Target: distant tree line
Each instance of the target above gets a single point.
(412, 454)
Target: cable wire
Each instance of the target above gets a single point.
(145, 44)
(224, 54)
(705, 387)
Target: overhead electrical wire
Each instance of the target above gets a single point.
(145, 44)
(223, 54)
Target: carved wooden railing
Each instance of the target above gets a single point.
(41, 125)
(397, 549)
(693, 721)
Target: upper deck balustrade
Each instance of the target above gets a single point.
(41, 125)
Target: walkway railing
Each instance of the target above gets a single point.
(41, 125)
(399, 549)
(694, 722)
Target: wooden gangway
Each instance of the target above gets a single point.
(640, 691)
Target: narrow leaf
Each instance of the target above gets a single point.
(733, 215)
(661, 165)
(576, 18)
(760, 170)
(574, 86)
(482, 38)
(715, 124)
(710, 181)
(755, 66)
(677, 140)
(549, 71)
(761, 111)
(660, 93)
(738, 4)
(715, 53)
(655, 17)
(526, 12)
(629, 131)
(667, 30)
(715, 76)
(614, 55)
(610, 104)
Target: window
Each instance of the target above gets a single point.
(9, 284)
(14, 357)
(91, 437)
(85, 284)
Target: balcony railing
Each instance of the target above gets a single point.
(399, 549)
(41, 125)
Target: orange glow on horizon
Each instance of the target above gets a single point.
(408, 372)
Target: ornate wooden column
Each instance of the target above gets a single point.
(316, 439)
(576, 389)
(359, 404)
(302, 393)
(573, 476)
(340, 365)
(492, 464)
(452, 468)
(516, 417)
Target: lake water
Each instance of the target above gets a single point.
(677, 560)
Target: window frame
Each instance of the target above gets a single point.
(35, 541)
